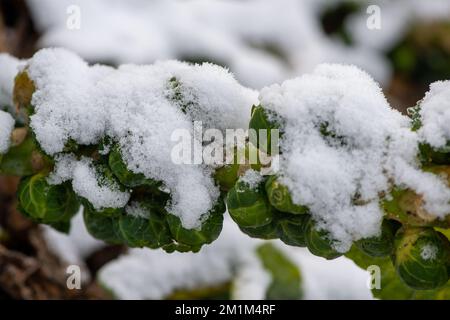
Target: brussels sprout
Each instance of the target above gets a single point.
(421, 257)
(266, 232)
(150, 230)
(263, 119)
(280, 197)
(292, 229)
(430, 155)
(227, 176)
(47, 203)
(249, 207)
(125, 176)
(103, 227)
(318, 242)
(195, 238)
(381, 245)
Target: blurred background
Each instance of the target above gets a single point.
(403, 44)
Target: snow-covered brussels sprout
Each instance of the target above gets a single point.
(280, 197)
(248, 204)
(292, 229)
(421, 257)
(46, 203)
(381, 245)
(193, 239)
(263, 119)
(319, 243)
(125, 176)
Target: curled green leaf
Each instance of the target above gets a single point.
(249, 207)
(280, 197)
(47, 203)
(319, 243)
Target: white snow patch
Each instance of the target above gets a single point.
(6, 127)
(9, 67)
(252, 179)
(429, 252)
(435, 114)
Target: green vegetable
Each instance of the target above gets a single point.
(381, 245)
(263, 119)
(125, 176)
(249, 207)
(47, 203)
(103, 227)
(292, 229)
(227, 176)
(195, 238)
(319, 243)
(422, 257)
(150, 231)
(280, 197)
(266, 232)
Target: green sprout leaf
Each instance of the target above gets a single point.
(193, 239)
(125, 176)
(103, 227)
(421, 257)
(45, 203)
(150, 230)
(381, 245)
(292, 229)
(319, 243)
(263, 119)
(249, 207)
(280, 197)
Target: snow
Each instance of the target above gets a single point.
(397, 17)
(341, 176)
(6, 127)
(252, 179)
(136, 210)
(9, 67)
(88, 183)
(338, 279)
(232, 33)
(429, 252)
(135, 107)
(72, 248)
(100, 193)
(435, 114)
